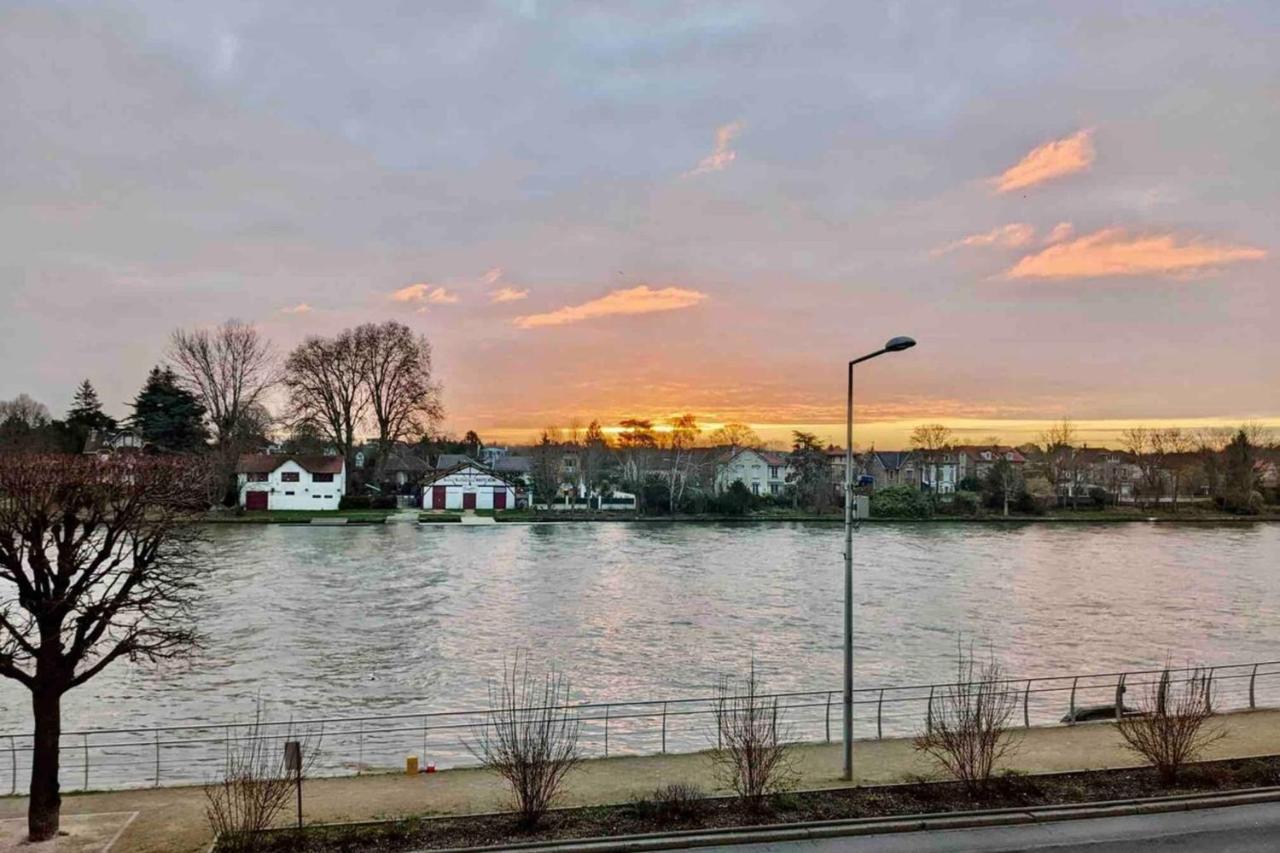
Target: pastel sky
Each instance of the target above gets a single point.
(604, 210)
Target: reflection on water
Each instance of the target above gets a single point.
(402, 618)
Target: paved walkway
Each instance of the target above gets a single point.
(172, 819)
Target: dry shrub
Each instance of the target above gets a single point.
(968, 733)
(753, 756)
(530, 738)
(1172, 726)
(674, 803)
(256, 785)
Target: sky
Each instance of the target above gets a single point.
(604, 210)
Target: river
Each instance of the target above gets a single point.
(404, 618)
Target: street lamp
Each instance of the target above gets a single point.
(897, 344)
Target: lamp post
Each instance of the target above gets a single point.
(893, 345)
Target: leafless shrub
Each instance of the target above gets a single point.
(256, 785)
(1172, 726)
(674, 803)
(968, 731)
(530, 737)
(753, 756)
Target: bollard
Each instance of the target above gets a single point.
(411, 765)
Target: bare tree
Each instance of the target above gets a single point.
(22, 408)
(97, 563)
(530, 737)
(257, 783)
(680, 445)
(1059, 458)
(735, 436)
(595, 452)
(327, 394)
(395, 366)
(753, 754)
(1172, 727)
(230, 368)
(968, 731)
(1147, 450)
(931, 441)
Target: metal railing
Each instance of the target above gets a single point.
(196, 753)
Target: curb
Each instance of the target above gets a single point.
(892, 825)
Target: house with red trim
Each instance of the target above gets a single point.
(470, 485)
(272, 481)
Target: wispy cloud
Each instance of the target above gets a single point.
(1009, 236)
(507, 294)
(635, 300)
(1112, 252)
(425, 293)
(1060, 232)
(722, 155)
(491, 277)
(1050, 160)
(300, 308)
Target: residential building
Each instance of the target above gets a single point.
(268, 481)
(892, 468)
(470, 485)
(764, 472)
(977, 460)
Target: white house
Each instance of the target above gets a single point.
(468, 485)
(764, 472)
(284, 481)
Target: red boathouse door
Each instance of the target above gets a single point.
(499, 498)
(437, 497)
(256, 499)
(469, 500)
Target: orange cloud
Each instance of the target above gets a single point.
(507, 294)
(424, 293)
(1111, 252)
(635, 300)
(722, 155)
(300, 308)
(1051, 160)
(1060, 232)
(1009, 236)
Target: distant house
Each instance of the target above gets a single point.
(977, 460)
(404, 468)
(764, 472)
(469, 485)
(892, 468)
(284, 481)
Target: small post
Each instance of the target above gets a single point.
(928, 721)
(1208, 692)
(360, 749)
(1162, 693)
(1253, 677)
(1071, 717)
(606, 730)
(1120, 696)
(1026, 711)
(293, 761)
(86, 761)
(828, 716)
(13, 766)
(424, 740)
(664, 728)
(880, 715)
(157, 734)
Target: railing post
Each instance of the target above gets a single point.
(828, 716)
(13, 766)
(664, 728)
(1071, 717)
(86, 761)
(1253, 677)
(1162, 694)
(928, 721)
(1026, 711)
(880, 715)
(1120, 696)
(157, 734)
(606, 730)
(424, 741)
(1208, 692)
(360, 748)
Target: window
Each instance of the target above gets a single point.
(322, 478)
(258, 477)
(755, 488)
(288, 494)
(773, 471)
(289, 476)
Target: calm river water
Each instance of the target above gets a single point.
(323, 620)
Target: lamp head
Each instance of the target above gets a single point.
(899, 343)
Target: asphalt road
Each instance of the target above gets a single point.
(1233, 829)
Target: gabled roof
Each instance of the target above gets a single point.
(452, 460)
(892, 459)
(470, 463)
(265, 463)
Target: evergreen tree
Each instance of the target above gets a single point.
(167, 415)
(810, 472)
(1241, 491)
(86, 417)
